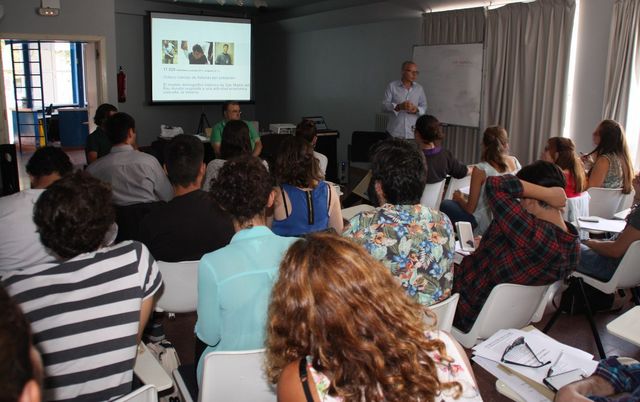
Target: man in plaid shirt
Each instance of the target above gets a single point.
(611, 377)
(527, 243)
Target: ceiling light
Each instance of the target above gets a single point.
(49, 8)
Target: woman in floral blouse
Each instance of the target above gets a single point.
(415, 242)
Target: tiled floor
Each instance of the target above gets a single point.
(572, 330)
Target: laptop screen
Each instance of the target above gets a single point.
(319, 120)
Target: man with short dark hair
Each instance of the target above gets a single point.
(87, 311)
(231, 111)
(135, 177)
(415, 242)
(224, 58)
(191, 224)
(20, 245)
(527, 243)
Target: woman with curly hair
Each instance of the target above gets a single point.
(612, 167)
(341, 329)
(496, 161)
(304, 203)
(234, 282)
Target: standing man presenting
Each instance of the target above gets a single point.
(404, 98)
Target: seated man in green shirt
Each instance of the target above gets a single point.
(231, 111)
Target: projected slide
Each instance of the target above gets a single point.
(200, 59)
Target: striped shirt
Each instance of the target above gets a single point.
(85, 313)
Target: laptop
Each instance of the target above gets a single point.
(321, 125)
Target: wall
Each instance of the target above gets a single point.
(338, 72)
(132, 36)
(594, 21)
(77, 17)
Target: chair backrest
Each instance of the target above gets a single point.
(576, 207)
(508, 306)
(180, 293)
(432, 195)
(605, 202)
(350, 212)
(546, 299)
(361, 143)
(235, 376)
(148, 393)
(456, 184)
(627, 274)
(627, 200)
(445, 311)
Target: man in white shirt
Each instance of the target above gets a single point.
(404, 98)
(135, 177)
(20, 245)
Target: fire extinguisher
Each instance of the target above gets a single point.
(122, 86)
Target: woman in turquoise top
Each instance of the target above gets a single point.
(234, 282)
(304, 202)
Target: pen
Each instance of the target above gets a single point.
(550, 371)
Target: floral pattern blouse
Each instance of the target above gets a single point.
(450, 368)
(415, 242)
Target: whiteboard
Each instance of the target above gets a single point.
(452, 79)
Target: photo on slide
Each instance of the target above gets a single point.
(198, 55)
(169, 49)
(224, 53)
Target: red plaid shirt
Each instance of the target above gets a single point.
(516, 248)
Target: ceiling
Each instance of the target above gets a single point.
(306, 7)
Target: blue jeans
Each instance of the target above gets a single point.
(456, 214)
(596, 265)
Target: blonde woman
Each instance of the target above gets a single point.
(496, 161)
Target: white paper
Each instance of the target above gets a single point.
(544, 347)
(603, 225)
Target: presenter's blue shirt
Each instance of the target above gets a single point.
(234, 287)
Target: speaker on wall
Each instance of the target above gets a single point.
(9, 182)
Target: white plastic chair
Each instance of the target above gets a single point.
(350, 212)
(235, 376)
(576, 207)
(627, 275)
(551, 292)
(180, 293)
(445, 311)
(508, 306)
(605, 202)
(432, 195)
(456, 184)
(148, 393)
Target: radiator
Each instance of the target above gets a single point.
(381, 121)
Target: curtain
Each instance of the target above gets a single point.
(526, 66)
(623, 65)
(453, 27)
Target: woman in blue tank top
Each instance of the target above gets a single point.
(304, 202)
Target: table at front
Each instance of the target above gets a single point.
(627, 326)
